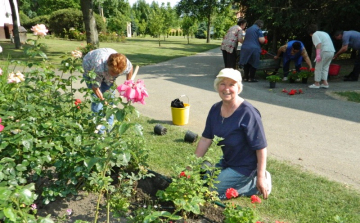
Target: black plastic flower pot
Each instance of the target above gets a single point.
(272, 84)
(160, 130)
(190, 137)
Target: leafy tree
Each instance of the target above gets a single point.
(156, 24)
(142, 27)
(223, 21)
(203, 10)
(141, 11)
(169, 18)
(189, 26)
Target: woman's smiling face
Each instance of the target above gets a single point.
(228, 89)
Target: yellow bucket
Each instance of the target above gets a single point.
(180, 116)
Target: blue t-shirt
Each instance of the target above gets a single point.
(352, 39)
(243, 134)
(296, 57)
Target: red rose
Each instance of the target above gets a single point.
(255, 199)
(312, 69)
(231, 192)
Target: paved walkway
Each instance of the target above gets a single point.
(312, 130)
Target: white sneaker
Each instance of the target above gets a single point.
(314, 86)
(285, 79)
(268, 181)
(324, 86)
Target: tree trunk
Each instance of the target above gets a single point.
(208, 29)
(90, 23)
(15, 25)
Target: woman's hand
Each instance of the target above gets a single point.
(262, 186)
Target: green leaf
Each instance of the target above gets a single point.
(120, 115)
(89, 163)
(138, 129)
(123, 127)
(10, 214)
(21, 168)
(47, 219)
(77, 140)
(43, 55)
(5, 193)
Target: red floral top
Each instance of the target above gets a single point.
(231, 39)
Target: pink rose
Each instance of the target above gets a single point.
(39, 30)
(135, 92)
(76, 54)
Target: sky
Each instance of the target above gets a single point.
(172, 2)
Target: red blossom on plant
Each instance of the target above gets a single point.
(266, 40)
(182, 174)
(312, 69)
(263, 52)
(292, 92)
(1, 126)
(188, 176)
(134, 92)
(303, 68)
(231, 192)
(255, 199)
(294, 72)
(77, 101)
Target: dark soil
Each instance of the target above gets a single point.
(83, 205)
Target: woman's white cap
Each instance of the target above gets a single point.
(230, 73)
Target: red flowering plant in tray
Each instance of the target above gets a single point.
(306, 72)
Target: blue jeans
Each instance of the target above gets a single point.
(229, 178)
(286, 67)
(97, 107)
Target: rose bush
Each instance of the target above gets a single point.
(45, 136)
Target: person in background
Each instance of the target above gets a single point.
(108, 65)
(295, 51)
(350, 39)
(243, 164)
(230, 43)
(251, 49)
(324, 54)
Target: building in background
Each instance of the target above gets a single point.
(6, 23)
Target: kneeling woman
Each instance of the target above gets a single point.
(243, 164)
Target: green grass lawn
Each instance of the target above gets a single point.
(297, 195)
(141, 51)
(350, 95)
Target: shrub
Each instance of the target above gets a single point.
(62, 20)
(23, 17)
(44, 19)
